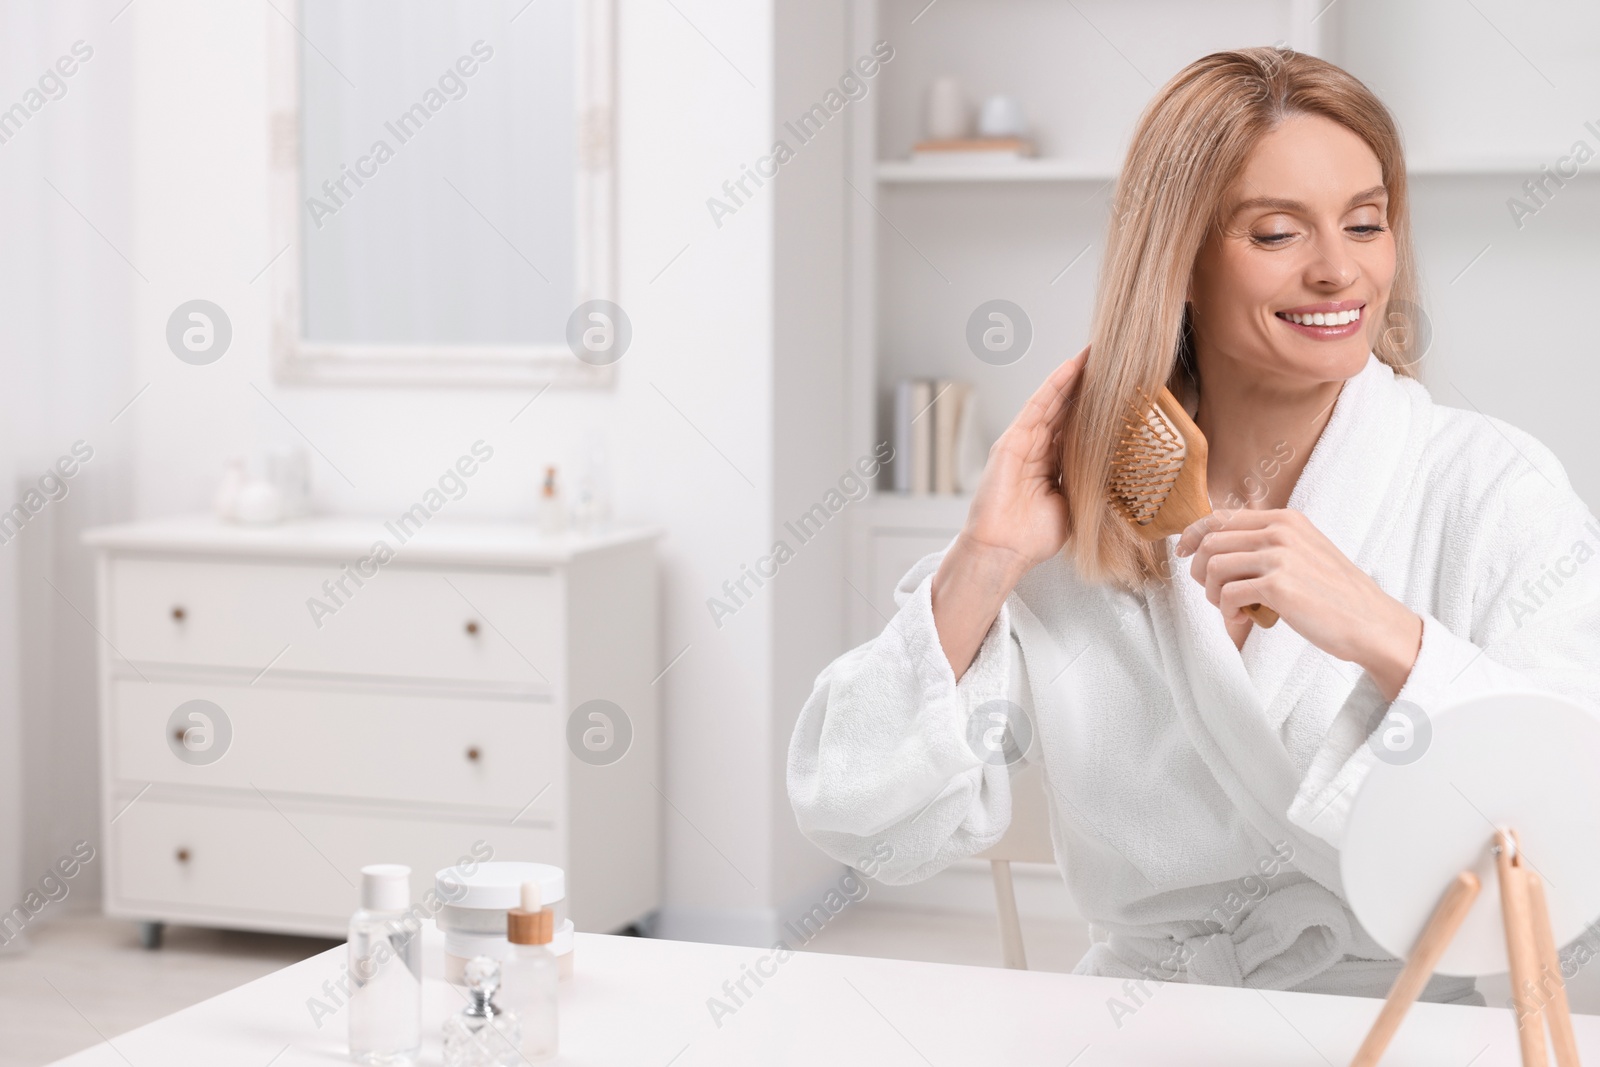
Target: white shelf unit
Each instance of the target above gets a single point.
(885, 542)
(1424, 166)
(905, 172)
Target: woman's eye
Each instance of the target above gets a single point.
(1270, 239)
(1368, 231)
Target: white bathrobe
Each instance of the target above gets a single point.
(1180, 770)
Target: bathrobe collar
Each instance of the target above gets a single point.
(1234, 704)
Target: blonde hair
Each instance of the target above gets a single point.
(1190, 146)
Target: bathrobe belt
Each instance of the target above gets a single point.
(1297, 937)
(1292, 935)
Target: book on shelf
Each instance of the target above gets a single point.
(913, 436)
(983, 149)
(948, 397)
(938, 446)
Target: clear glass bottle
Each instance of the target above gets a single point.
(531, 974)
(385, 1013)
(482, 1034)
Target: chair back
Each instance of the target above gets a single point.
(1027, 838)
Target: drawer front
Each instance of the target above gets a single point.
(291, 865)
(502, 627)
(405, 748)
(890, 554)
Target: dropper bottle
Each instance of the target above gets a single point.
(531, 974)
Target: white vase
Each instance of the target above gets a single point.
(226, 500)
(947, 118)
(1001, 116)
(259, 504)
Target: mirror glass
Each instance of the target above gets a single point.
(437, 171)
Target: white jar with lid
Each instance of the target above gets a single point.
(473, 919)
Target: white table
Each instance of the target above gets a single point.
(642, 1003)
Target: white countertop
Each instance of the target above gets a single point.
(346, 538)
(635, 1001)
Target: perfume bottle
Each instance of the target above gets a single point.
(531, 973)
(482, 1034)
(385, 970)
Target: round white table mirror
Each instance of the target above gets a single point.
(1528, 761)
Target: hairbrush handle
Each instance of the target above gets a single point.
(1262, 615)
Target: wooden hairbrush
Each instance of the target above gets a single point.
(1158, 476)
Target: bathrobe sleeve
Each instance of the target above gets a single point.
(881, 773)
(1532, 621)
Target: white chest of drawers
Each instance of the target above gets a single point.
(419, 710)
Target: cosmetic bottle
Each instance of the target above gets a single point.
(385, 1012)
(591, 508)
(552, 514)
(482, 1034)
(531, 974)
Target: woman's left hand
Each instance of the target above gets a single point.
(1278, 558)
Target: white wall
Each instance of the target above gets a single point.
(809, 413)
(65, 295)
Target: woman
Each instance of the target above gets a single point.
(1199, 768)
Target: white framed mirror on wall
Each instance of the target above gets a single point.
(442, 192)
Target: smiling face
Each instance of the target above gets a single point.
(1291, 282)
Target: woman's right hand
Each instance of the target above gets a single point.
(1017, 520)
(1018, 510)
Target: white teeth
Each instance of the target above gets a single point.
(1325, 318)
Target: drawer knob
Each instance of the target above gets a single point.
(473, 754)
(178, 614)
(472, 627)
(183, 855)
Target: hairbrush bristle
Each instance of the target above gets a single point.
(1146, 462)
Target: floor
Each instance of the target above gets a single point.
(85, 978)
